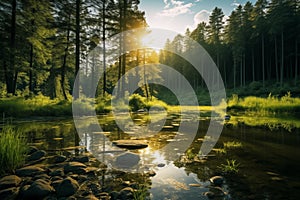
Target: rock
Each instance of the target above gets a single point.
(161, 165)
(131, 144)
(59, 159)
(56, 178)
(56, 183)
(81, 159)
(127, 160)
(151, 173)
(195, 185)
(115, 195)
(217, 180)
(90, 197)
(36, 155)
(9, 193)
(58, 172)
(126, 193)
(42, 176)
(9, 181)
(209, 194)
(75, 167)
(95, 188)
(32, 149)
(218, 191)
(104, 196)
(38, 190)
(67, 187)
(29, 171)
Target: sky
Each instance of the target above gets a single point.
(178, 15)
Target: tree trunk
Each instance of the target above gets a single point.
(296, 61)
(241, 71)
(63, 68)
(276, 60)
(77, 51)
(10, 86)
(282, 60)
(263, 58)
(31, 69)
(104, 47)
(234, 73)
(253, 66)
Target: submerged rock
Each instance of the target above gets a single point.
(127, 160)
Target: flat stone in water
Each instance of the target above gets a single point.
(131, 144)
(9, 181)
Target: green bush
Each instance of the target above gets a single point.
(137, 102)
(12, 149)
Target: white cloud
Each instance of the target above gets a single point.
(173, 8)
(202, 16)
(235, 3)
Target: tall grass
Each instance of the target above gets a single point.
(12, 149)
(266, 106)
(35, 106)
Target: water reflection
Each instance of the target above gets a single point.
(265, 152)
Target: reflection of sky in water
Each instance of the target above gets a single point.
(169, 182)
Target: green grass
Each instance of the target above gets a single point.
(232, 145)
(141, 192)
(272, 105)
(35, 106)
(231, 166)
(12, 149)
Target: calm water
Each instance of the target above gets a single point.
(269, 157)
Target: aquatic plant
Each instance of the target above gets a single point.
(141, 192)
(231, 166)
(12, 149)
(232, 145)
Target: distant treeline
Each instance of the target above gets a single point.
(257, 43)
(44, 42)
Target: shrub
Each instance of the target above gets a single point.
(137, 102)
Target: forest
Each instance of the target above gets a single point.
(44, 42)
(66, 131)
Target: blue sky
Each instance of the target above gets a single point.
(177, 15)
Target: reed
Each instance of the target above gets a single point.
(12, 149)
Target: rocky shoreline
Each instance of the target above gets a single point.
(68, 176)
(64, 176)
